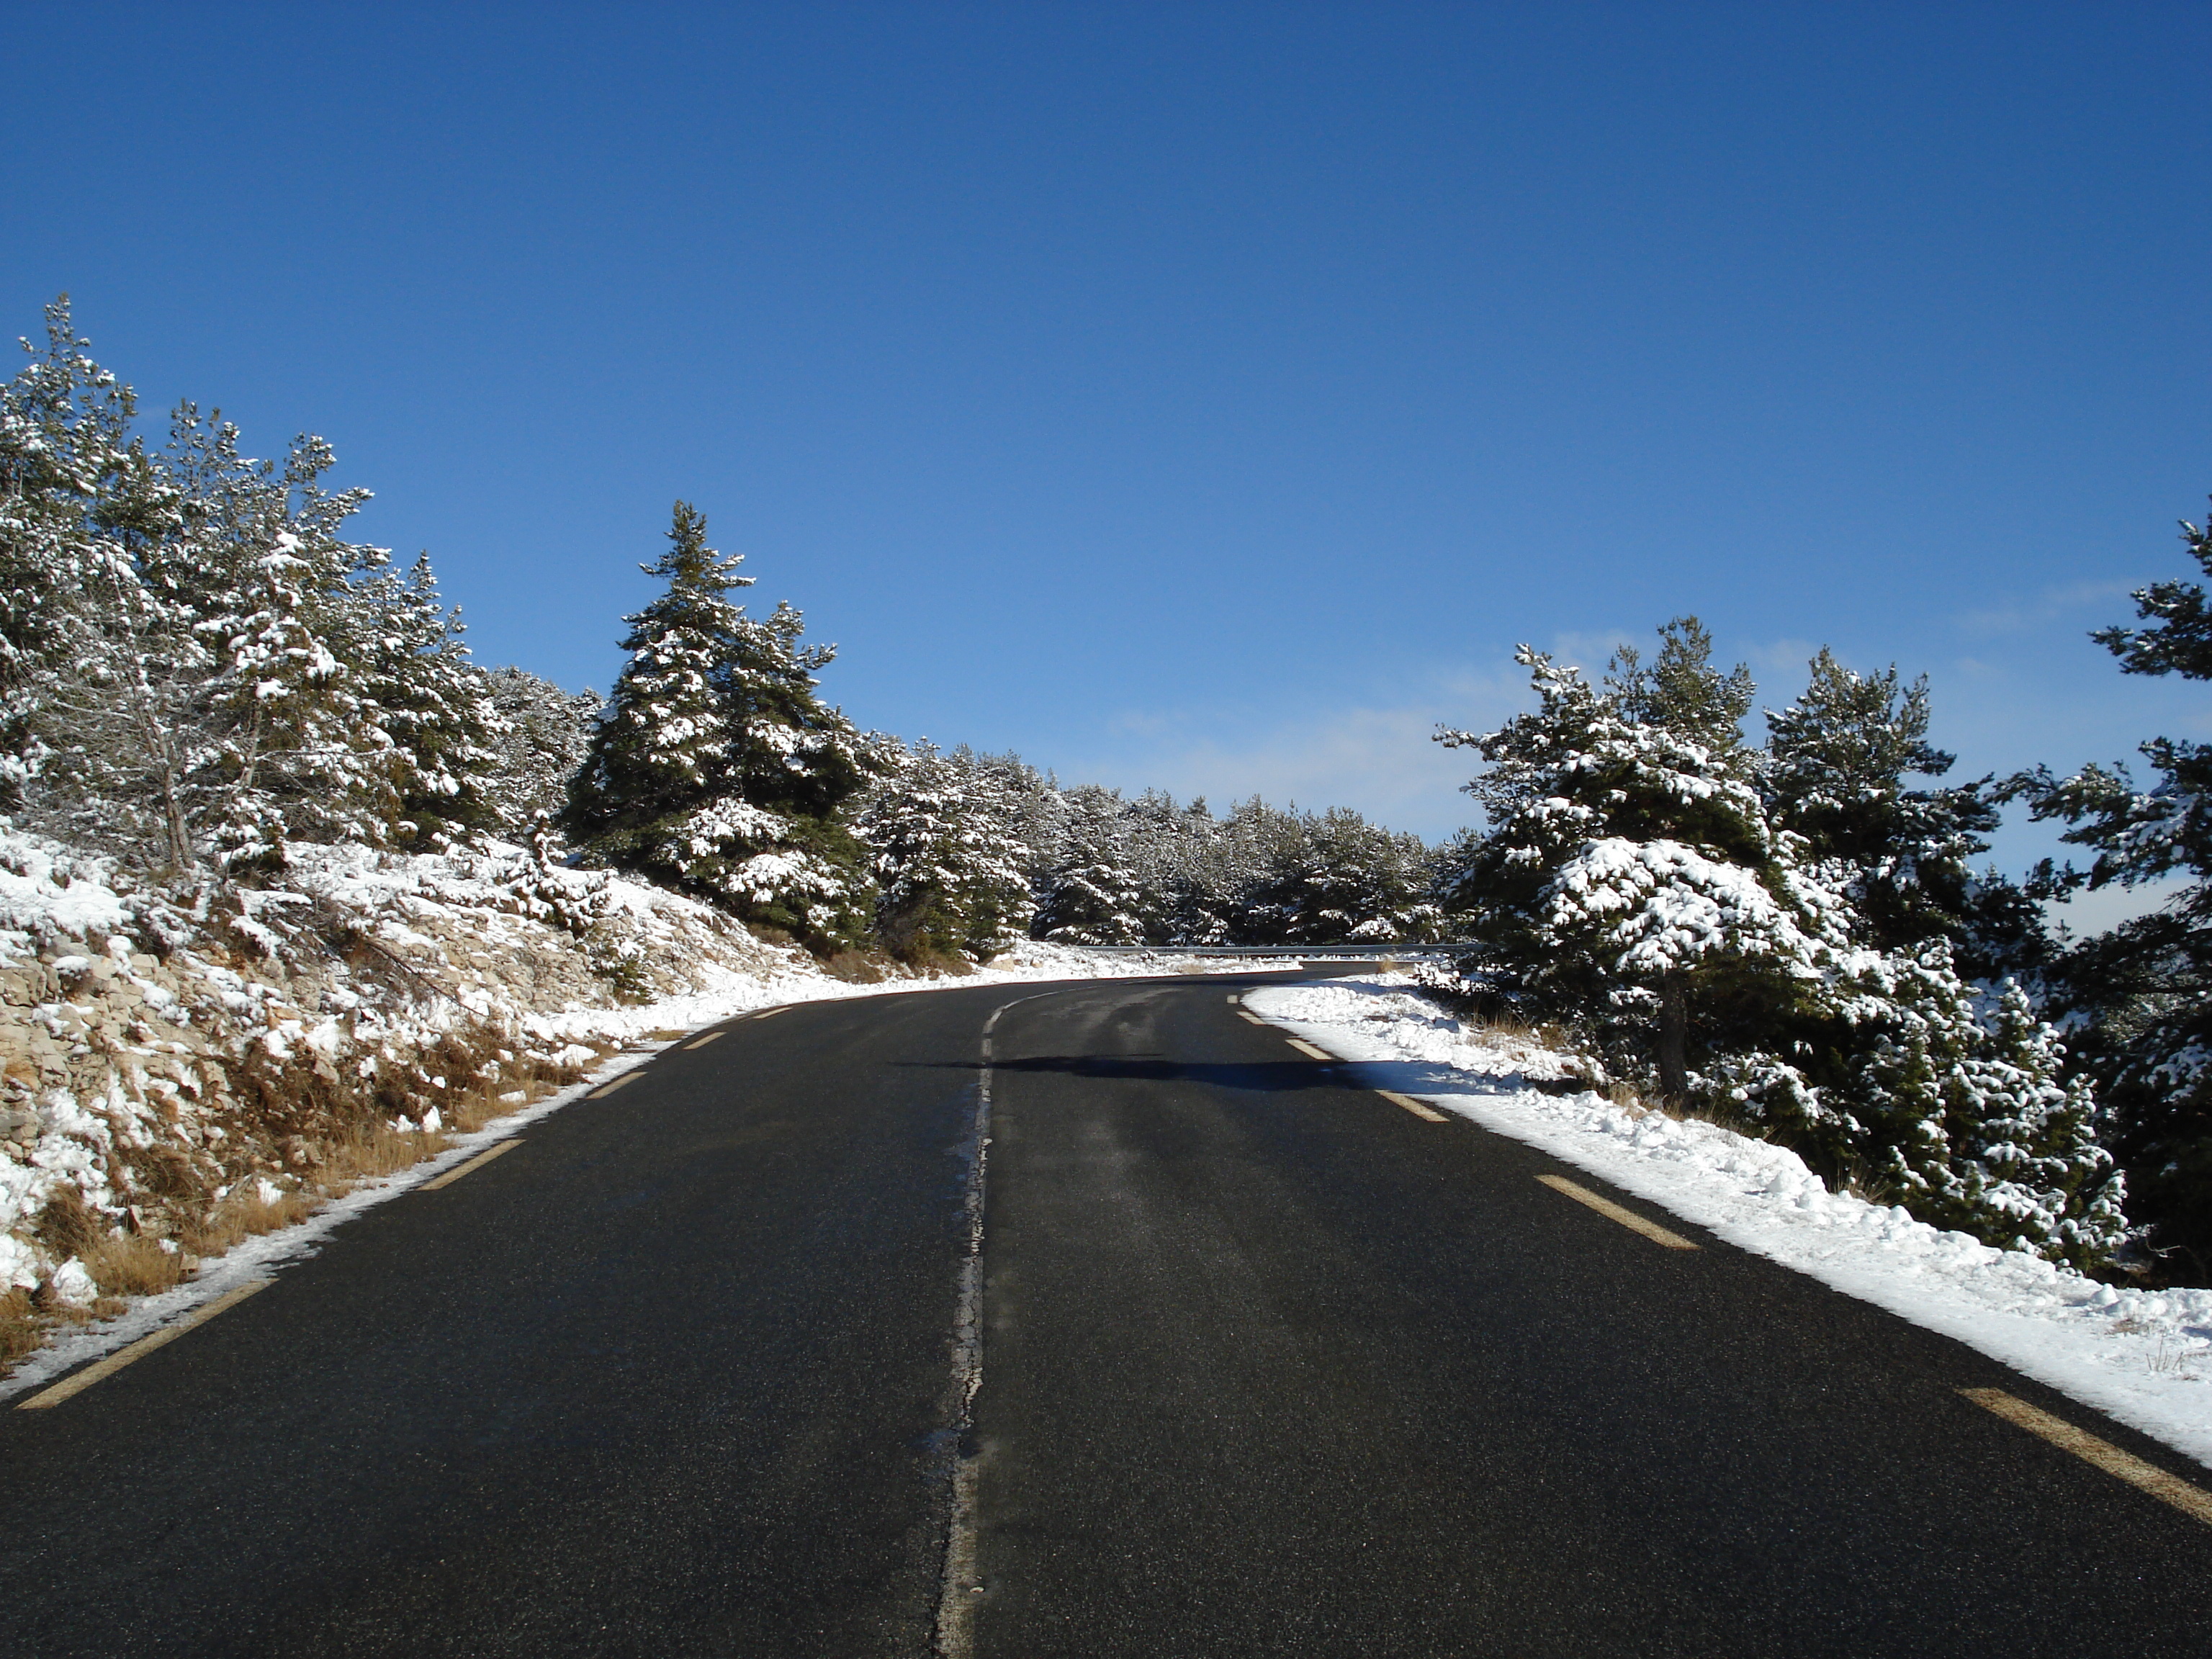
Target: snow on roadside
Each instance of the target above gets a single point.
(2143, 1358)
(727, 993)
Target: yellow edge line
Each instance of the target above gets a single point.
(1611, 1211)
(1419, 1108)
(476, 1162)
(606, 1089)
(702, 1041)
(1307, 1049)
(138, 1349)
(2193, 1501)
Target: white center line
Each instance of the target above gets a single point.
(1607, 1207)
(702, 1041)
(476, 1162)
(2147, 1477)
(138, 1349)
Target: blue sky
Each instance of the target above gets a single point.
(1205, 396)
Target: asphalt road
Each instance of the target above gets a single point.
(1269, 1365)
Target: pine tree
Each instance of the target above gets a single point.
(1970, 1122)
(717, 769)
(542, 735)
(263, 578)
(1091, 895)
(78, 497)
(211, 700)
(435, 706)
(1335, 878)
(1633, 880)
(1629, 874)
(944, 834)
(2145, 988)
(1837, 759)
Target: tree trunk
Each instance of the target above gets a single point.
(1673, 1035)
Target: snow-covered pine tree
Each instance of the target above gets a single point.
(212, 697)
(1630, 864)
(1198, 901)
(1257, 843)
(944, 834)
(1338, 878)
(717, 770)
(542, 736)
(1091, 894)
(435, 706)
(1629, 878)
(78, 496)
(1967, 1119)
(291, 745)
(1836, 764)
(2145, 988)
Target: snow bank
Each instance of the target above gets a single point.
(2142, 1357)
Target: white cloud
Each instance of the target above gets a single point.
(1382, 759)
(2039, 611)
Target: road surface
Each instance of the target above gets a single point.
(1269, 1365)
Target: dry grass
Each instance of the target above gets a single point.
(1860, 1179)
(20, 1328)
(375, 1149)
(134, 1266)
(480, 1103)
(68, 1226)
(245, 1215)
(1553, 1037)
(335, 1137)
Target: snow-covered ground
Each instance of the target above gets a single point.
(2142, 1357)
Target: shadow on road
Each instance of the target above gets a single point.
(1406, 1077)
(1263, 1075)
